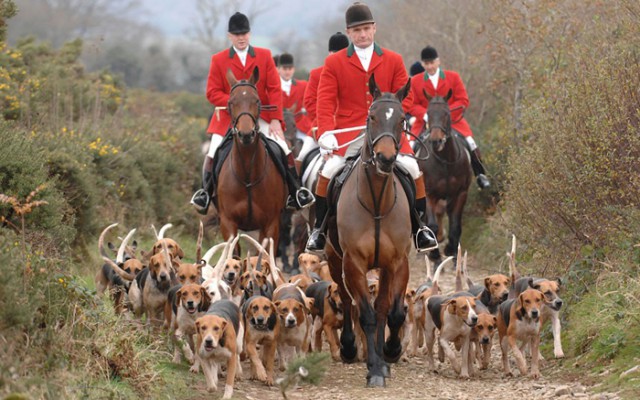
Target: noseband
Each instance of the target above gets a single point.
(445, 126)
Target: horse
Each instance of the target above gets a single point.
(446, 171)
(291, 130)
(372, 204)
(251, 192)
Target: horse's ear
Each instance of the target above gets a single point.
(231, 78)
(373, 88)
(255, 76)
(427, 95)
(449, 94)
(404, 91)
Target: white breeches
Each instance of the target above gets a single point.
(472, 143)
(335, 162)
(308, 144)
(264, 128)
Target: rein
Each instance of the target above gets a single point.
(248, 184)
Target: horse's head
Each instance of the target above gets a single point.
(244, 107)
(385, 126)
(439, 115)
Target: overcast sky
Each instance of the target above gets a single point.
(175, 16)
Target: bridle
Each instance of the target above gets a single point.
(372, 142)
(235, 118)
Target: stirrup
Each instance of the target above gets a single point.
(200, 201)
(308, 194)
(431, 236)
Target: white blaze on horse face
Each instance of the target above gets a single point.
(389, 113)
(244, 93)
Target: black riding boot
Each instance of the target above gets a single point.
(202, 197)
(478, 169)
(299, 196)
(317, 238)
(425, 239)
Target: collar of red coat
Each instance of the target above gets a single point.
(426, 76)
(250, 51)
(351, 49)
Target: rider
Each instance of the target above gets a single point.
(337, 41)
(437, 82)
(241, 58)
(343, 102)
(293, 94)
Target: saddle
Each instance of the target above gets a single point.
(222, 153)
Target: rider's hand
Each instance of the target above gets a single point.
(426, 119)
(275, 129)
(328, 143)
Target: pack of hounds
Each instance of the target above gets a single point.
(243, 308)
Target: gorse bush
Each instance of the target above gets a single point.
(575, 183)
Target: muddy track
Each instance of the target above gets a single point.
(411, 380)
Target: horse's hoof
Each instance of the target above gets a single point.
(375, 381)
(386, 371)
(434, 256)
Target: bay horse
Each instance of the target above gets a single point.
(446, 171)
(251, 192)
(372, 229)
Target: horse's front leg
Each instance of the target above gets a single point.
(454, 212)
(393, 284)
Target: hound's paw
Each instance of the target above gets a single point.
(212, 388)
(535, 374)
(194, 369)
(558, 354)
(269, 381)
(465, 375)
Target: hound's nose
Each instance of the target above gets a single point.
(208, 342)
(190, 303)
(232, 275)
(485, 340)
(163, 277)
(260, 320)
(505, 296)
(474, 319)
(534, 313)
(558, 303)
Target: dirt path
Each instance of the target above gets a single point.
(410, 380)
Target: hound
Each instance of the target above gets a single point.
(327, 314)
(219, 339)
(262, 328)
(454, 317)
(519, 320)
(295, 322)
(187, 303)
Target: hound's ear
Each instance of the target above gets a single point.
(231, 78)
(206, 299)
(429, 97)
(224, 321)
(536, 286)
(179, 252)
(508, 281)
(201, 264)
(412, 293)
(111, 246)
(373, 88)
(197, 324)
(300, 258)
(277, 303)
(404, 91)
(530, 283)
(266, 267)
(449, 94)
(310, 302)
(134, 245)
(495, 320)
(175, 264)
(236, 257)
(255, 76)
(178, 296)
(487, 282)
(559, 280)
(451, 306)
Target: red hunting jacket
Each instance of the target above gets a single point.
(311, 97)
(218, 88)
(296, 96)
(458, 102)
(344, 91)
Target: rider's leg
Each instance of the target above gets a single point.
(476, 163)
(317, 239)
(308, 144)
(201, 198)
(425, 239)
(299, 197)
